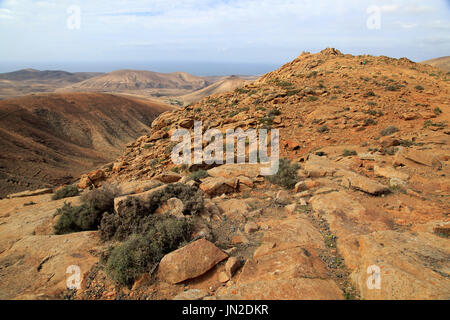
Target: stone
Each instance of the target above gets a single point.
(216, 186)
(251, 171)
(192, 294)
(173, 206)
(190, 262)
(290, 209)
(119, 202)
(306, 185)
(186, 123)
(282, 197)
(411, 265)
(158, 135)
(232, 265)
(284, 289)
(251, 227)
(362, 183)
(337, 202)
(223, 277)
(29, 193)
(168, 177)
(389, 172)
(387, 142)
(397, 183)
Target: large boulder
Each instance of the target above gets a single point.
(217, 186)
(190, 261)
(362, 183)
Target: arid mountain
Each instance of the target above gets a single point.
(361, 196)
(51, 138)
(23, 82)
(144, 83)
(442, 63)
(224, 85)
(37, 75)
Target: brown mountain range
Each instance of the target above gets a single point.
(27, 81)
(50, 138)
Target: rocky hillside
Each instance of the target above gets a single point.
(364, 196)
(51, 138)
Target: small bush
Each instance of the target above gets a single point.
(323, 129)
(420, 88)
(89, 214)
(141, 252)
(137, 217)
(437, 111)
(286, 176)
(312, 99)
(348, 153)
(274, 112)
(76, 219)
(66, 192)
(389, 130)
(198, 175)
(102, 198)
(391, 88)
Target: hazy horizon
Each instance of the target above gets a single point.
(207, 37)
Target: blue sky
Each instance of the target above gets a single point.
(117, 33)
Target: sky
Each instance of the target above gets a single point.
(213, 36)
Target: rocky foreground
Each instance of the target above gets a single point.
(370, 138)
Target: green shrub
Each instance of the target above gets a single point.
(102, 198)
(389, 130)
(323, 129)
(141, 252)
(274, 112)
(286, 176)
(348, 153)
(391, 88)
(420, 88)
(66, 192)
(137, 217)
(76, 219)
(198, 175)
(312, 98)
(89, 214)
(437, 111)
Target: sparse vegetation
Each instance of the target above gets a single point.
(287, 175)
(141, 252)
(312, 99)
(348, 153)
(89, 214)
(389, 131)
(323, 129)
(66, 192)
(198, 175)
(437, 111)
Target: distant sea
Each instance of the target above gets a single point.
(195, 68)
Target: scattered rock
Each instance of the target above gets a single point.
(190, 261)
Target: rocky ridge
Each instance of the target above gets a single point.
(371, 140)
